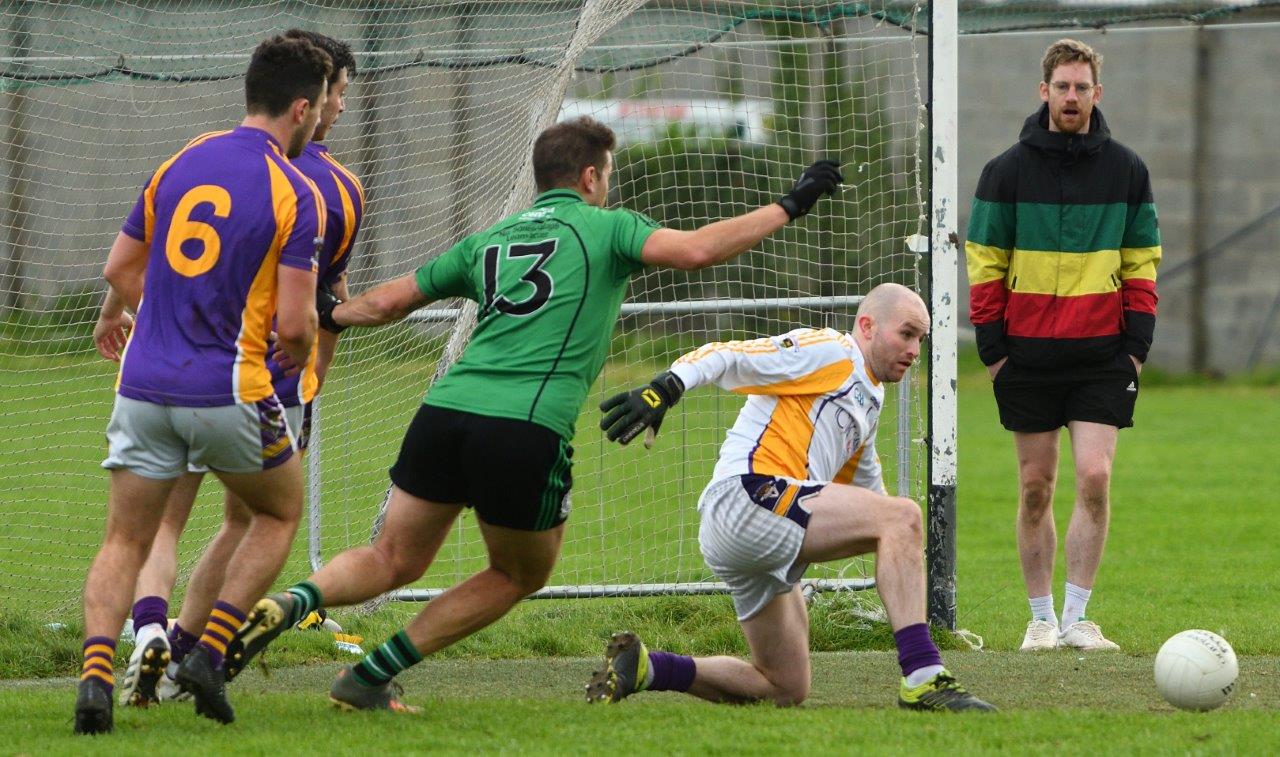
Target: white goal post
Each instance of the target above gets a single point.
(773, 309)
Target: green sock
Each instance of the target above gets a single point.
(383, 663)
(307, 599)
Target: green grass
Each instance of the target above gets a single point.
(1192, 545)
(1059, 703)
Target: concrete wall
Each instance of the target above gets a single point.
(1150, 101)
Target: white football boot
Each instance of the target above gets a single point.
(1041, 635)
(1085, 635)
(146, 667)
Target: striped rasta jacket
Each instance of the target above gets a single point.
(1062, 250)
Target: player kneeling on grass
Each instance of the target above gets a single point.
(798, 481)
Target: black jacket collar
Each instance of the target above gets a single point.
(1070, 147)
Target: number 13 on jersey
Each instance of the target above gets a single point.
(498, 257)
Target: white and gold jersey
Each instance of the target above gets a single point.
(812, 406)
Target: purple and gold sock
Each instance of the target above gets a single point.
(150, 610)
(181, 641)
(99, 661)
(224, 621)
(671, 672)
(916, 648)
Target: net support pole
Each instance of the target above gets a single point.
(940, 526)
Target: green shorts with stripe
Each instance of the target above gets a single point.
(514, 473)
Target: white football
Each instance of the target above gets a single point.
(1196, 670)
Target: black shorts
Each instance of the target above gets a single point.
(514, 473)
(1037, 399)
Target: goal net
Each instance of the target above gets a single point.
(717, 106)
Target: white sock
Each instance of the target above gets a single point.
(1042, 608)
(920, 675)
(1073, 606)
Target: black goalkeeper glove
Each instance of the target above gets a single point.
(326, 301)
(629, 413)
(819, 179)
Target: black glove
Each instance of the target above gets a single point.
(326, 301)
(629, 413)
(819, 179)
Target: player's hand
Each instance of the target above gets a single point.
(326, 301)
(1137, 364)
(819, 179)
(629, 413)
(110, 334)
(995, 367)
(281, 357)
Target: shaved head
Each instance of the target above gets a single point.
(886, 299)
(892, 320)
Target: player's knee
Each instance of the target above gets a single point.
(1037, 495)
(791, 694)
(905, 519)
(1094, 482)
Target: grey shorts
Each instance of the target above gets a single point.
(298, 418)
(752, 528)
(164, 441)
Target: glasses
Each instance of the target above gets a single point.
(1063, 87)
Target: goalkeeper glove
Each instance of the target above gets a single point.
(819, 179)
(326, 301)
(629, 413)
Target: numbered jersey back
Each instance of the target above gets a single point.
(549, 282)
(218, 218)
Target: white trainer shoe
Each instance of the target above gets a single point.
(1085, 634)
(146, 667)
(168, 690)
(1041, 635)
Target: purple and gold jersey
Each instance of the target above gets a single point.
(219, 217)
(344, 205)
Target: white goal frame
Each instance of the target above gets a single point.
(937, 271)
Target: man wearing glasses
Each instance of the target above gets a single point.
(1062, 251)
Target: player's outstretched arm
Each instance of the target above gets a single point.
(722, 240)
(386, 303)
(629, 413)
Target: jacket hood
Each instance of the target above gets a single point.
(1035, 133)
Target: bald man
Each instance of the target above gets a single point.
(798, 481)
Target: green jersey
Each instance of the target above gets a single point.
(549, 282)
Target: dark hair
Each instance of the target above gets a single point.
(339, 52)
(282, 71)
(561, 151)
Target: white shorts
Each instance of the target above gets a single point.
(752, 528)
(165, 441)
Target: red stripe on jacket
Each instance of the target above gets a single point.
(1140, 295)
(987, 301)
(1054, 317)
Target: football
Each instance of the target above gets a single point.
(1196, 670)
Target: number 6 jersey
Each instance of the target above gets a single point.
(219, 217)
(549, 282)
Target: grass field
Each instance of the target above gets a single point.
(1192, 545)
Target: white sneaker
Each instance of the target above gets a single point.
(1041, 635)
(1085, 634)
(168, 690)
(147, 664)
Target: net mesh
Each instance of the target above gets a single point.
(718, 104)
